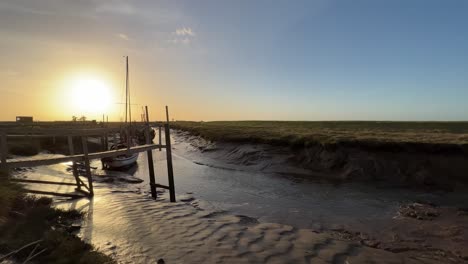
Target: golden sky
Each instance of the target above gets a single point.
(235, 60)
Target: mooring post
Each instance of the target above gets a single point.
(159, 127)
(103, 143)
(3, 150)
(106, 141)
(71, 151)
(170, 171)
(84, 141)
(149, 154)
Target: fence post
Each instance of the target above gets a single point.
(71, 151)
(159, 127)
(170, 171)
(84, 141)
(3, 150)
(149, 155)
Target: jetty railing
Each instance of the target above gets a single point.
(86, 188)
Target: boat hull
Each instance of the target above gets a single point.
(120, 162)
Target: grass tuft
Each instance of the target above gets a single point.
(24, 219)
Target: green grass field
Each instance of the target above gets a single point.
(332, 132)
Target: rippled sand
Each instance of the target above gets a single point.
(136, 229)
(122, 221)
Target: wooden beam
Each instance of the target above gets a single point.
(84, 141)
(43, 182)
(71, 151)
(96, 155)
(28, 132)
(55, 193)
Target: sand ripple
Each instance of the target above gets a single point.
(135, 229)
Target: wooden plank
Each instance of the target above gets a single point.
(43, 182)
(71, 195)
(96, 155)
(84, 141)
(43, 161)
(82, 183)
(71, 151)
(58, 132)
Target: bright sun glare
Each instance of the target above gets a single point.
(90, 95)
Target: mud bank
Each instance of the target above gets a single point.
(433, 168)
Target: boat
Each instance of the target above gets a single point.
(121, 161)
(127, 141)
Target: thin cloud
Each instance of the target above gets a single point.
(185, 31)
(180, 41)
(123, 36)
(184, 35)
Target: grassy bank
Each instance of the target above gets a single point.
(433, 136)
(26, 220)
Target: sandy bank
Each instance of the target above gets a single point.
(413, 167)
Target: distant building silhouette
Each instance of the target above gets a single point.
(24, 119)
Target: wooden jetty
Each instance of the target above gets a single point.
(84, 188)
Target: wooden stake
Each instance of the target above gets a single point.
(71, 151)
(3, 150)
(84, 141)
(170, 170)
(159, 127)
(149, 154)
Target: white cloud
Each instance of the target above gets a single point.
(123, 36)
(185, 31)
(183, 35)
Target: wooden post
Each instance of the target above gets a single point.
(150, 158)
(71, 151)
(84, 141)
(159, 127)
(106, 141)
(170, 170)
(3, 150)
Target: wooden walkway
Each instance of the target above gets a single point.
(86, 189)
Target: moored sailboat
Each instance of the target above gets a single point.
(123, 160)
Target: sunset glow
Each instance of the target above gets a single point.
(89, 95)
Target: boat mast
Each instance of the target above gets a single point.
(129, 104)
(126, 89)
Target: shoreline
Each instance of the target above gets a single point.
(402, 164)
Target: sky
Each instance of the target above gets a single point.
(236, 60)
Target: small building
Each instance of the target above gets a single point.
(24, 119)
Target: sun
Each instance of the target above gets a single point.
(89, 95)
